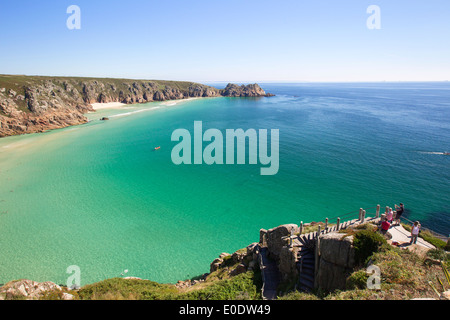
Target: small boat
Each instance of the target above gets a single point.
(446, 153)
(157, 148)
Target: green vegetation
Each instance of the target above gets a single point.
(127, 289)
(17, 82)
(296, 295)
(241, 287)
(439, 254)
(314, 226)
(219, 285)
(366, 243)
(357, 280)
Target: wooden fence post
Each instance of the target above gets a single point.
(301, 228)
(326, 223)
(378, 212)
(338, 223)
(360, 213)
(363, 217)
(290, 238)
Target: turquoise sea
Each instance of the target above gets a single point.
(100, 197)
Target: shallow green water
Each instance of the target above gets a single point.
(99, 196)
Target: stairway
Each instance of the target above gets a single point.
(270, 274)
(306, 262)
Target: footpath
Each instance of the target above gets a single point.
(403, 238)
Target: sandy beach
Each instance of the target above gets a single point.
(109, 105)
(119, 105)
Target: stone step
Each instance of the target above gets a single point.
(307, 267)
(309, 276)
(303, 251)
(306, 256)
(304, 282)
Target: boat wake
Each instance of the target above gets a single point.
(435, 152)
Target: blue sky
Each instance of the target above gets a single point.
(234, 40)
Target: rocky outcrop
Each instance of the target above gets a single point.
(242, 260)
(275, 239)
(32, 290)
(251, 90)
(336, 261)
(36, 104)
(277, 242)
(288, 262)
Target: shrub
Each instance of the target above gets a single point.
(400, 267)
(366, 242)
(127, 289)
(241, 287)
(439, 254)
(428, 237)
(296, 295)
(357, 280)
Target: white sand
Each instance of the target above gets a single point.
(109, 105)
(118, 105)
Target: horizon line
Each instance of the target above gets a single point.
(230, 81)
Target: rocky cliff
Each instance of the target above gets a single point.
(336, 261)
(31, 104)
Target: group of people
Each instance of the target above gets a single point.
(389, 220)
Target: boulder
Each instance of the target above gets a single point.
(215, 265)
(275, 241)
(30, 290)
(288, 262)
(241, 268)
(239, 256)
(336, 261)
(223, 255)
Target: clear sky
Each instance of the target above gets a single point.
(234, 40)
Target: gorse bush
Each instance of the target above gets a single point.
(366, 242)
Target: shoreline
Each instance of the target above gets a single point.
(120, 105)
(107, 105)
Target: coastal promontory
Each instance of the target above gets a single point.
(30, 104)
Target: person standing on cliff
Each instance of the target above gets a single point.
(399, 211)
(390, 215)
(415, 232)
